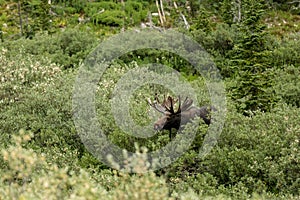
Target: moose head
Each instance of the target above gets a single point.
(184, 113)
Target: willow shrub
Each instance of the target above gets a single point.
(287, 86)
(66, 48)
(256, 154)
(27, 174)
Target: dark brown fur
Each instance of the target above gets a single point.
(184, 114)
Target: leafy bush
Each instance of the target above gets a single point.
(256, 151)
(254, 155)
(106, 13)
(136, 12)
(110, 18)
(117, 14)
(287, 86)
(138, 187)
(46, 111)
(67, 48)
(74, 46)
(20, 72)
(220, 40)
(29, 175)
(287, 52)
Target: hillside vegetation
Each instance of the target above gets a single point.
(255, 44)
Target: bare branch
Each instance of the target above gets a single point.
(159, 13)
(187, 26)
(162, 10)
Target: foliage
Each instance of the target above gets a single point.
(250, 69)
(286, 51)
(257, 154)
(203, 21)
(46, 111)
(254, 155)
(111, 18)
(20, 72)
(136, 12)
(74, 46)
(31, 17)
(29, 175)
(67, 48)
(259, 149)
(288, 87)
(40, 19)
(282, 23)
(117, 14)
(292, 6)
(219, 43)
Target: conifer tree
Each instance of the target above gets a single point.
(249, 66)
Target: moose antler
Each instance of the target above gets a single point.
(166, 107)
(185, 105)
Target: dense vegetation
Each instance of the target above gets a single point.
(255, 45)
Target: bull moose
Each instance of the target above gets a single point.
(184, 114)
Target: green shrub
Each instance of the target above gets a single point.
(70, 10)
(287, 86)
(106, 13)
(117, 14)
(286, 51)
(75, 46)
(146, 186)
(67, 48)
(135, 12)
(254, 155)
(93, 9)
(110, 18)
(29, 175)
(46, 111)
(253, 149)
(106, 5)
(20, 72)
(216, 39)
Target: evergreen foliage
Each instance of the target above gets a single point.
(248, 63)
